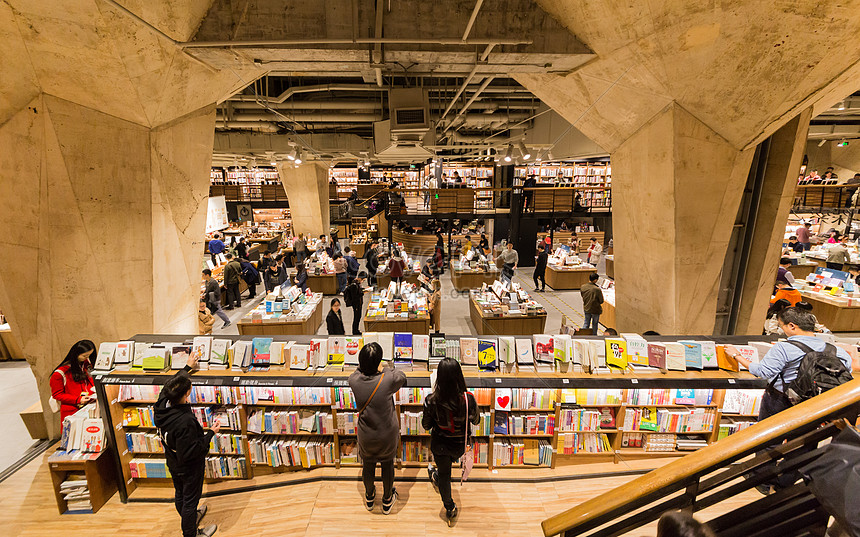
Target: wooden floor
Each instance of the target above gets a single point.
(325, 508)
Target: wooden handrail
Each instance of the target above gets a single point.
(813, 411)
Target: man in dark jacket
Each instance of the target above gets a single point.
(250, 275)
(185, 448)
(232, 273)
(540, 267)
(352, 266)
(242, 248)
(262, 265)
(592, 298)
(372, 262)
(212, 297)
(353, 295)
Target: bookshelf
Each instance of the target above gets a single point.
(346, 179)
(245, 184)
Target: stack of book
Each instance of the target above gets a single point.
(76, 493)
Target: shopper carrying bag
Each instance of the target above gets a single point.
(378, 427)
(448, 411)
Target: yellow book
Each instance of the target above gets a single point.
(616, 353)
(130, 417)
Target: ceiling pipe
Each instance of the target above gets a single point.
(376, 57)
(305, 116)
(357, 41)
(311, 105)
(472, 19)
(469, 102)
(459, 92)
(295, 90)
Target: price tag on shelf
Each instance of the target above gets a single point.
(634, 381)
(731, 381)
(565, 381)
(498, 381)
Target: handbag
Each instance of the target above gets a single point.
(834, 479)
(467, 460)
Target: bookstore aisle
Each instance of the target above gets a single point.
(328, 508)
(17, 393)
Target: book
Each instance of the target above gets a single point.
(607, 417)
(685, 397)
(201, 348)
(261, 351)
(531, 451)
(724, 361)
(637, 349)
(336, 351)
(649, 419)
(370, 337)
(353, 346)
(469, 351)
(657, 355)
(139, 352)
(504, 397)
(692, 355)
(616, 353)
(525, 357)
(403, 347)
(487, 359)
(709, 354)
(560, 348)
(276, 353)
(749, 352)
(544, 348)
(92, 435)
(597, 353)
(675, 356)
(386, 341)
(179, 356)
(500, 422)
(507, 350)
(299, 356)
(218, 354)
(420, 348)
(437, 346)
(123, 355)
(155, 358)
(104, 359)
(318, 353)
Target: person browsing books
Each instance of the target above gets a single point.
(371, 261)
(594, 251)
(802, 233)
(378, 427)
(782, 273)
(592, 298)
(71, 383)
(340, 271)
(786, 291)
(232, 275)
(334, 319)
(352, 266)
(446, 418)
(301, 278)
(242, 249)
(353, 297)
(216, 246)
(185, 448)
(212, 297)
(837, 254)
(396, 266)
(540, 267)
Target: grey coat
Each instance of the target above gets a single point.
(378, 427)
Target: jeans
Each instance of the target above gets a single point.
(368, 473)
(539, 275)
(341, 281)
(233, 295)
(443, 466)
(301, 256)
(220, 313)
(591, 321)
(189, 488)
(356, 318)
(806, 245)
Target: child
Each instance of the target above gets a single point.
(205, 319)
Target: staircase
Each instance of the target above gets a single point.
(722, 471)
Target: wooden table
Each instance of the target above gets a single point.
(607, 318)
(9, 349)
(800, 272)
(568, 278)
(359, 248)
(463, 280)
(836, 317)
(384, 279)
(505, 326)
(323, 283)
(283, 328)
(99, 471)
(610, 266)
(419, 325)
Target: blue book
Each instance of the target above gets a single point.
(692, 354)
(262, 351)
(487, 357)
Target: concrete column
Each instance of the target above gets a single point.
(784, 157)
(677, 185)
(307, 191)
(103, 220)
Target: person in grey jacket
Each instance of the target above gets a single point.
(378, 427)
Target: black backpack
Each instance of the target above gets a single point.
(818, 372)
(347, 296)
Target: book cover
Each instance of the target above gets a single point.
(262, 350)
(692, 355)
(649, 419)
(179, 356)
(218, 352)
(469, 351)
(201, 348)
(749, 352)
(487, 359)
(402, 347)
(124, 353)
(579, 355)
(139, 352)
(299, 355)
(544, 348)
(276, 353)
(616, 353)
(318, 350)
(386, 341)
(437, 346)
(637, 349)
(92, 435)
(709, 354)
(420, 348)
(500, 423)
(524, 352)
(675, 356)
(353, 346)
(503, 399)
(531, 451)
(607, 417)
(597, 353)
(560, 344)
(155, 358)
(657, 355)
(104, 359)
(685, 397)
(336, 350)
(370, 337)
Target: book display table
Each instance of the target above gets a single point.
(323, 283)
(463, 280)
(610, 266)
(492, 325)
(568, 277)
(98, 468)
(836, 313)
(308, 416)
(804, 268)
(385, 313)
(383, 280)
(286, 327)
(359, 248)
(419, 325)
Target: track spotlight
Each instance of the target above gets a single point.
(524, 151)
(292, 155)
(299, 156)
(508, 153)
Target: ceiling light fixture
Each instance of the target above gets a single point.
(524, 151)
(822, 142)
(292, 155)
(299, 156)
(842, 105)
(508, 153)
(537, 157)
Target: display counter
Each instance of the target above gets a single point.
(264, 244)
(499, 325)
(568, 277)
(568, 403)
(804, 268)
(323, 283)
(360, 248)
(463, 280)
(408, 276)
(610, 266)
(839, 314)
(386, 313)
(562, 238)
(9, 349)
(607, 318)
(285, 326)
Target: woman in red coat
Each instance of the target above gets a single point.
(71, 383)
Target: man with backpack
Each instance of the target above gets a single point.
(799, 368)
(353, 297)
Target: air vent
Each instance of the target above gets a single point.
(410, 116)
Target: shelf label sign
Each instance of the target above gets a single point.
(216, 214)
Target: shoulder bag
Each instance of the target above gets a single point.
(369, 399)
(468, 458)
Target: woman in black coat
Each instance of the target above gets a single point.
(334, 319)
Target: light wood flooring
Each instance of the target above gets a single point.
(27, 507)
